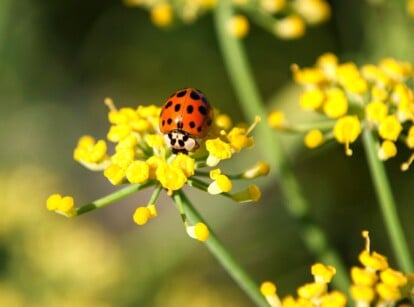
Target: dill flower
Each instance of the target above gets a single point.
(284, 19)
(373, 284)
(352, 99)
(140, 157)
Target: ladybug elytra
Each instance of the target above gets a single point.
(185, 117)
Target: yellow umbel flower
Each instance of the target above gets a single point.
(268, 290)
(142, 158)
(377, 98)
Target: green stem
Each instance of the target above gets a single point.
(113, 197)
(387, 203)
(222, 255)
(246, 90)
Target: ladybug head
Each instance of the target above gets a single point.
(180, 141)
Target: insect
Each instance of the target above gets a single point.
(185, 117)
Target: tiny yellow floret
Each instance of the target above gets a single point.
(141, 215)
(387, 292)
(290, 27)
(311, 290)
(393, 278)
(251, 194)
(336, 104)
(363, 277)
(334, 299)
(268, 290)
(199, 231)
(362, 293)
(64, 205)
(261, 168)
(387, 150)
(346, 130)
(162, 15)
(376, 111)
(238, 26)
(312, 99)
(115, 174)
(373, 261)
(276, 119)
(323, 273)
(218, 150)
(221, 183)
(313, 138)
(171, 177)
(137, 172)
(390, 128)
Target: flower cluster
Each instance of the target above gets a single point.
(285, 19)
(141, 159)
(351, 99)
(375, 284)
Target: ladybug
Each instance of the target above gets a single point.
(185, 117)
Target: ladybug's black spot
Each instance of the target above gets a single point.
(181, 93)
(194, 95)
(163, 123)
(190, 109)
(204, 99)
(192, 124)
(177, 107)
(180, 125)
(169, 121)
(168, 104)
(209, 122)
(199, 128)
(202, 110)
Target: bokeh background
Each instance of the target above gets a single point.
(60, 59)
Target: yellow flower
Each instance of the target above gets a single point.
(313, 138)
(199, 231)
(387, 150)
(238, 26)
(143, 214)
(137, 172)
(393, 278)
(362, 293)
(238, 139)
(185, 163)
(261, 168)
(311, 290)
(410, 137)
(323, 273)
(162, 15)
(390, 128)
(336, 104)
(373, 261)
(273, 6)
(313, 11)
(91, 154)
(115, 174)
(309, 76)
(220, 184)
(290, 27)
(387, 292)
(64, 205)
(171, 177)
(218, 150)
(333, 299)
(346, 131)
(251, 194)
(376, 111)
(268, 290)
(363, 277)
(312, 99)
(276, 119)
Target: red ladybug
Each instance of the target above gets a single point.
(185, 117)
